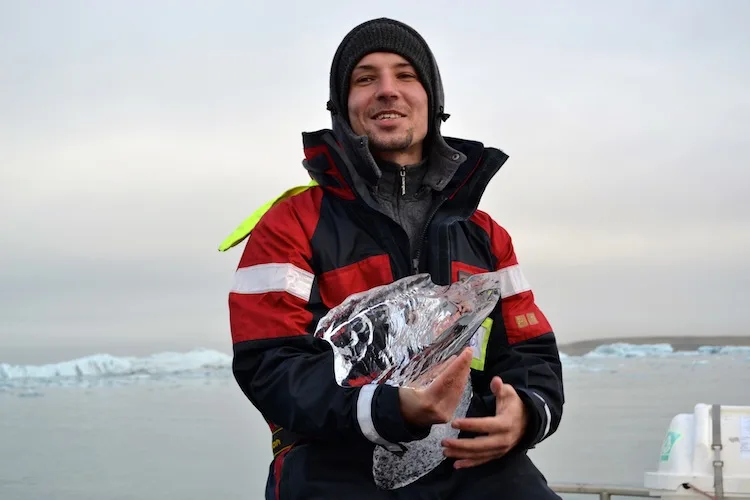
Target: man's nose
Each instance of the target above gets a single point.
(387, 87)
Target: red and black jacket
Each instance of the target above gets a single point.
(312, 250)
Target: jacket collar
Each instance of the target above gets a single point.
(327, 162)
(443, 160)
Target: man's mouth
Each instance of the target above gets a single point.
(388, 115)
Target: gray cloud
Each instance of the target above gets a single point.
(133, 137)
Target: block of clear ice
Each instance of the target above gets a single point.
(397, 334)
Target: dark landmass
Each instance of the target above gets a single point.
(678, 343)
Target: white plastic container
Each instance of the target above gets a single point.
(687, 456)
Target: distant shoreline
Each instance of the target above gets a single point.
(678, 343)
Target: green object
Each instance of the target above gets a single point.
(477, 362)
(247, 226)
(669, 442)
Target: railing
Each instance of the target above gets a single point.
(604, 492)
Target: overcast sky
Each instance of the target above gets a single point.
(135, 135)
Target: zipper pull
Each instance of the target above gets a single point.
(415, 265)
(403, 180)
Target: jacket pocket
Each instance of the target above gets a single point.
(338, 284)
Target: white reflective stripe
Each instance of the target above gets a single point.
(264, 278)
(547, 413)
(512, 281)
(364, 417)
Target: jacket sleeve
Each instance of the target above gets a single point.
(522, 349)
(286, 372)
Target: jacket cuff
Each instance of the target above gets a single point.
(380, 420)
(540, 418)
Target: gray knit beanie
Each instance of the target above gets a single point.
(384, 35)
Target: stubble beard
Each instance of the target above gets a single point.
(391, 144)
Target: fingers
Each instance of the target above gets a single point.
(473, 451)
(456, 372)
(481, 444)
(461, 362)
(498, 433)
(504, 395)
(444, 365)
(442, 396)
(432, 373)
(474, 455)
(496, 386)
(465, 464)
(483, 425)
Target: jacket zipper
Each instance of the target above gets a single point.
(415, 261)
(402, 173)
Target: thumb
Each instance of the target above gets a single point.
(496, 386)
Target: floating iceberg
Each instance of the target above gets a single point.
(624, 350)
(98, 366)
(725, 350)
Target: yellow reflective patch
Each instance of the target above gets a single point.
(479, 344)
(247, 226)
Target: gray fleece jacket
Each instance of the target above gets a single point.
(403, 197)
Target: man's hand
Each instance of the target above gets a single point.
(436, 403)
(503, 431)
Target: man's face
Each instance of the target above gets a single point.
(388, 104)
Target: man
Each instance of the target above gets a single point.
(390, 197)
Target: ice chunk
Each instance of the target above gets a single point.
(392, 471)
(396, 334)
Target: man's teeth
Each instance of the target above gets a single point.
(388, 116)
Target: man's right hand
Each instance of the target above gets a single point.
(436, 403)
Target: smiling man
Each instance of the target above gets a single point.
(390, 197)
(388, 104)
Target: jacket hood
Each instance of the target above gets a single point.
(328, 163)
(443, 160)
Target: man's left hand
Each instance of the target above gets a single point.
(502, 431)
